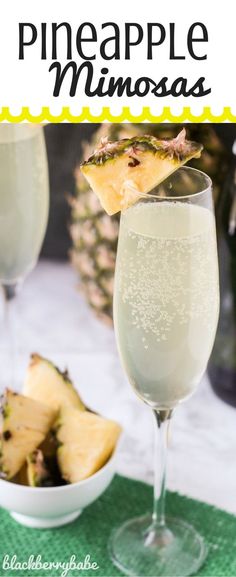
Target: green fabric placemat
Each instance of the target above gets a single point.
(89, 534)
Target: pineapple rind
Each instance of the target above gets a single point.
(138, 144)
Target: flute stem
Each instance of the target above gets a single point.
(9, 292)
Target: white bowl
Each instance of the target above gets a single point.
(45, 507)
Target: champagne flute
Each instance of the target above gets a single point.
(24, 206)
(166, 306)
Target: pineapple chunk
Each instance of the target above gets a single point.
(43, 471)
(38, 473)
(86, 441)
(24, 423)
(119, 172)
(46, 383)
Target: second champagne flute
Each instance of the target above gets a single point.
(24, 205)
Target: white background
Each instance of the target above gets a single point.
(28, 82)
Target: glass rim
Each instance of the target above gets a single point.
(184, 196)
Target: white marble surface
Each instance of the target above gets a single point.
(53, 319)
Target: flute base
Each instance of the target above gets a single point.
(137, 548)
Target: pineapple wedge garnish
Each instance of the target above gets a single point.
(46, 383)
(86, 441)
(119, 172)
(24, 423)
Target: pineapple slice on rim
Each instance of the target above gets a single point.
(24, 423)
(86, 441)
(119, 172)
(46, 383)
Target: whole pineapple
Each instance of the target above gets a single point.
(95, 234)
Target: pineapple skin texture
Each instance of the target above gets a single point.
(24, 425)
(86, 441)
(45, 383)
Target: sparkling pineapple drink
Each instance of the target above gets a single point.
(166, 298)
(23, 199)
